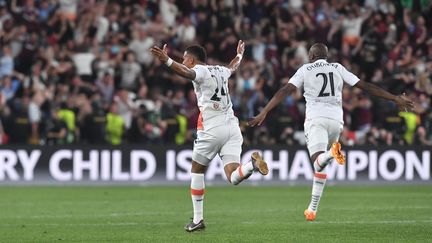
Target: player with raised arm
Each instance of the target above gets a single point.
(322, 83)
(218, 128)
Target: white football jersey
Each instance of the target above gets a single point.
(322, 83)
(211, 89)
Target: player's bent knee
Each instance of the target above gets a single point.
(197, 167)
(229, 169)
(315, 155)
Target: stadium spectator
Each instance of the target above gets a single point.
(66, 114)
(168, 12)
(6, 62)
(186, 32)
(56, 130)
(93, 128)
(140, 44)
(9, 87)
(105, 86)
(35, 116)
(420, 138)
(130, 73)
(114, 126)
(68, 8)
(73, 52)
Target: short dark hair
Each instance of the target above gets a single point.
(319, 51)
(198, 51)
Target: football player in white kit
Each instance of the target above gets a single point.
(218, 128)
(322, 83)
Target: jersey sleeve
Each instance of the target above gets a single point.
(298, 78)
(200, 73)
(348, 77)
(226, 72)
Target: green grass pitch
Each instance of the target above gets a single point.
(232, 214)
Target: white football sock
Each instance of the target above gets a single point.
(197, 194)
(242, 172)
(317, 190)
(322, 161)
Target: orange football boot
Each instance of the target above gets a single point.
(259, 164)
(337, 153)
(310, 215)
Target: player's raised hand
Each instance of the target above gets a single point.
(240, 47)
(161, 54)
(404, 103)
(258, 120)
(165, 49)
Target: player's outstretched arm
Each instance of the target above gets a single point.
(235, 63)
(401, 100)
(180, 69)
(277, 98)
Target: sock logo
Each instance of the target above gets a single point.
(198, 200)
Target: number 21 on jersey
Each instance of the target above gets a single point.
(326, 78)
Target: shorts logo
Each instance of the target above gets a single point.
(216, 106)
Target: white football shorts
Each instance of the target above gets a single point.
(223, 140)
(321, 133)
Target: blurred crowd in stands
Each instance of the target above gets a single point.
(80, 71)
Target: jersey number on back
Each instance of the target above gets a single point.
(325, 78)
(215, 96)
